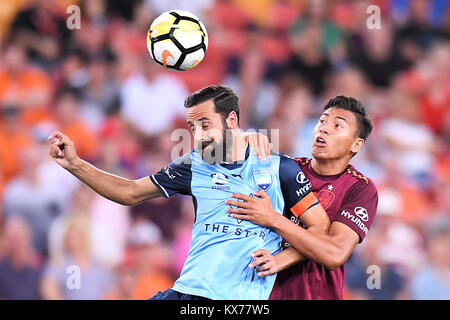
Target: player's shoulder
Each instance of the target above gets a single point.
(302, 161)
(362, 185)
(285, 160)
(357, 175)
(184, 159)
(183, 163)
(288, 168)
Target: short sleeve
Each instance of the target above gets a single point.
(175, 177)
(296, 187)
(359, 207)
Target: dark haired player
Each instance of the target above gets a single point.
(315, 269)
(219, 253)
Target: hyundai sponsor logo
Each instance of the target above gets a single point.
(356, 220)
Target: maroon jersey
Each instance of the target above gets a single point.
(349, 198)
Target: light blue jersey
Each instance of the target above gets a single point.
(219, 253)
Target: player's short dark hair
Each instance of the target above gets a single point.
(225, 100)
(365, 125)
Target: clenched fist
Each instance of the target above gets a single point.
(62, 149)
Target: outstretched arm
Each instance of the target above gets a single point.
(115, 188)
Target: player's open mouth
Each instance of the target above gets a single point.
(320, 142)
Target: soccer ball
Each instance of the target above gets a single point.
(177, 40)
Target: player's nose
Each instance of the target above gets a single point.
(324, 129)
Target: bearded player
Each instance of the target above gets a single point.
(312, 265)
(219, 165)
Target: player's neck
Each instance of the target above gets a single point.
(329, 167)
(238, 149)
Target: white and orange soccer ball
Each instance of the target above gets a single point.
(177, 40)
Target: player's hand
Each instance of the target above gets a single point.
(62, 149)
(257, 210)
(264, 263)
(259, 144)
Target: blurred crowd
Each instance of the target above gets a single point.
(285, 59)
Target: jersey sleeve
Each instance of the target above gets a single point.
(358, 208)
(296, 187)
(175, 177)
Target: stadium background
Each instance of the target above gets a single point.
(284, 59)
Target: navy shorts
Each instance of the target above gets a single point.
(171, 294)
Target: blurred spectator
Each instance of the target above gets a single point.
(410, 143)
(40, 183)
(392, 285)
(434, 87)
(441, 198)
(418, 34)
(415, 207)
(160, 212)
(183, 234)
(94, 11)
(94, 280)
(14, 138)
(19, 263)
(316, 44)
(433, 281)
(8, 11)
(23, 86)
(119, 151)
(91, 40)
(123, 287)
(142, 103)
(402, 245)
(373, 51)
(120, 9)
(198, 6)
(99, 96)
(317, 17)
(67, 110)
(152, 260)
(309, 61)
(41, 28)
(291, 118)
(107, 229)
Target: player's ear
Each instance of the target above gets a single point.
(357, 145)
(232, 120)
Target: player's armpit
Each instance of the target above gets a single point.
(316, 219)
(144, 189)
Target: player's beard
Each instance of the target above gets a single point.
(216, 151)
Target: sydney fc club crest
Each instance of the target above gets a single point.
(263, 179)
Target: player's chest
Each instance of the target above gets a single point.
(330, 195)
(218, 182)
